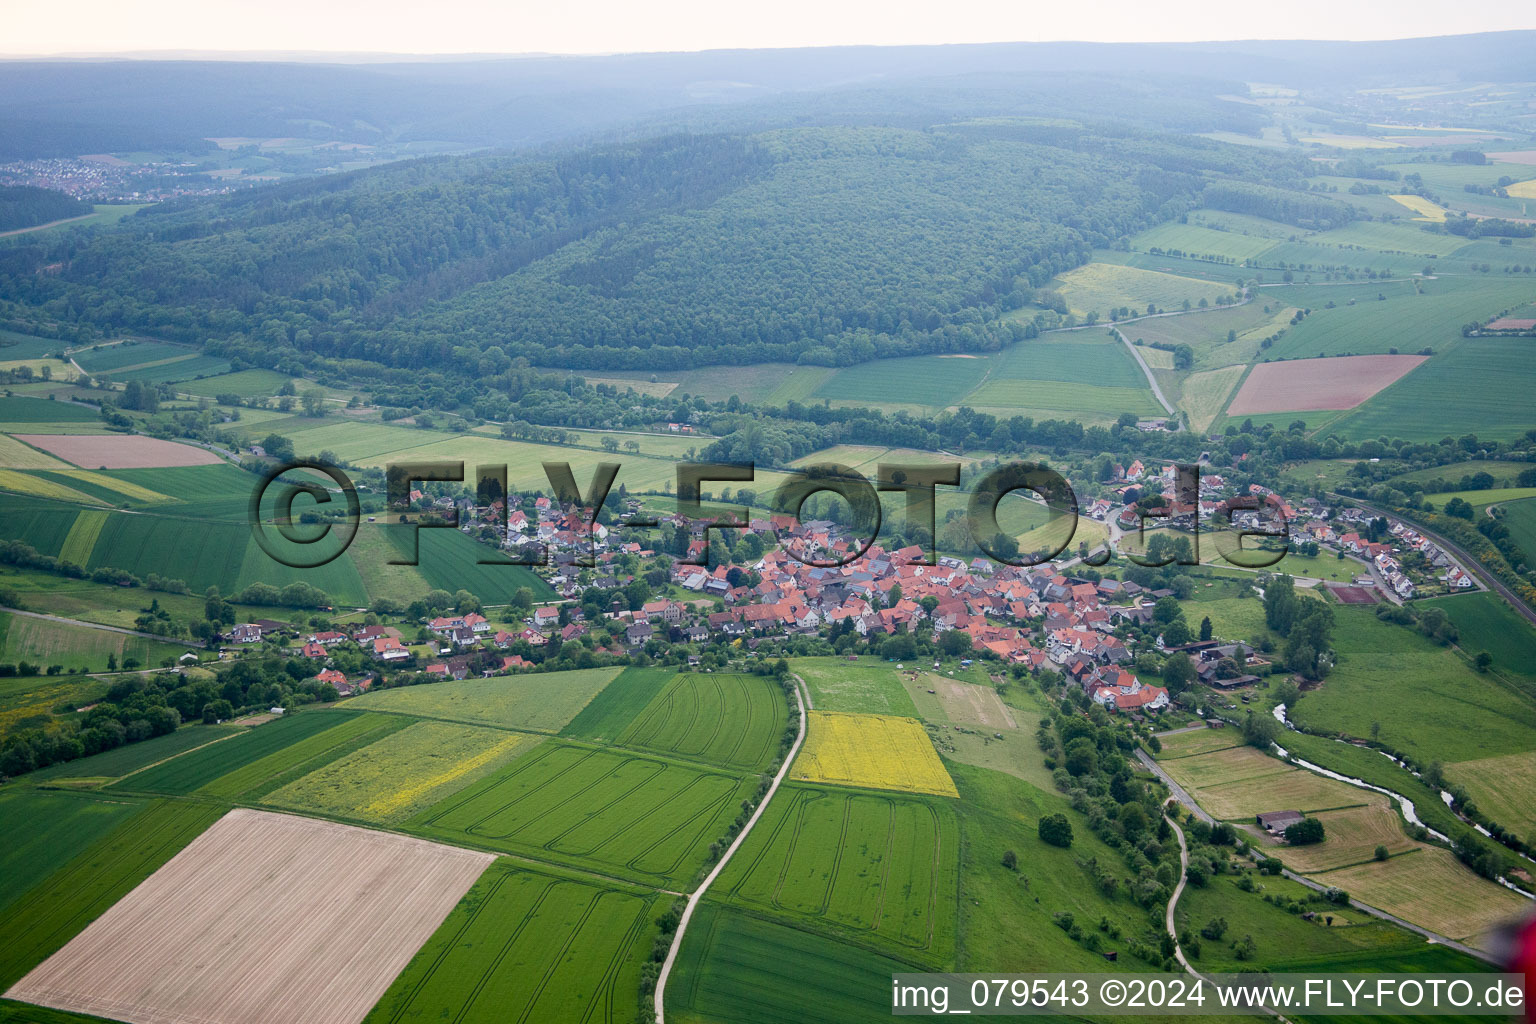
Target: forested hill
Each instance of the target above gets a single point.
(827, 245)
(22, 206)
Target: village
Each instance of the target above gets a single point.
(815, 580)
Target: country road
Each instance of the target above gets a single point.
(1151, 380)
(802, 705)
(180, 641)
(1184, 798)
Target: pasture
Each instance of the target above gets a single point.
(1501, 787)
(969, 723)
(528, 946)
(867, 687)
(1101, 287)
(719, 718)
(198, 768)
(1455, 714)
(120, 451)
(872, 752)
(538, 702)
(80, 888)
(633, 815)
(46, 829)
(1311, 384)
(1196, 741)
(402, 772)
(878, 869)
(737, 966)
(1487, 623)
(1433, 889)
(226, 931)
(75, 647)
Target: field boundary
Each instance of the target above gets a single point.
(802, 704)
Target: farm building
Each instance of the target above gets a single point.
(1276, 822)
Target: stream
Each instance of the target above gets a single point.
(1405, 804)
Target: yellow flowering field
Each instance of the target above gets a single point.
(1425, 209)
(873, 751)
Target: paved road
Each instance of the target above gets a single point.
(1151, 380)
(802, 703)
(182, 641)
(1185, 799)
(1468, 563)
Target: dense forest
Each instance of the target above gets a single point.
(23, 206)
(829, 245)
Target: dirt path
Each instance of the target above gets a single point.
(802, 705)
(44, 227)
(180, 641)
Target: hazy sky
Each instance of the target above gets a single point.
(605, 26)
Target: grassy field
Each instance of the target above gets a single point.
(58, 643)
(102, 360)
(736, 966)
(82, 887)
(24, 409)
(1285, 941)
(134, 757)
(870, 751)
(448, 560)
(1426, 404)
(528, 946)
(721, 719)
(245, 383)
(1503, 473)
(635, 816)
(1354, 834)
(192, 771)
(1207, 239)
(1101, 287)
(878, 869)
(48, 829)
(919, 380)
(969, 723)
(618, 704)
(1232, 618)
(1086, 403)
(402, 772)
(41, 487)
(541, 702)
(1205, 394)
(1487, 623)
(16, 455)
(1431, 888)
(1501, 787)
(1237, 783)
(299, 757)
(865, 687)
(1455, 714)
(1520, 518)
(1405, 321)
(174, 370)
